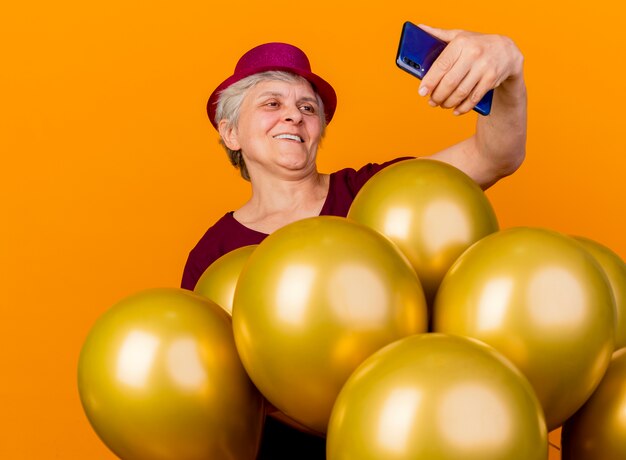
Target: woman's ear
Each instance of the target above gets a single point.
(229, 135)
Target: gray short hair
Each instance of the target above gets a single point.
(229, 105)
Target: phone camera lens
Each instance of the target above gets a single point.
(411, 63)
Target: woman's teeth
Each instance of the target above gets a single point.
(292, 137)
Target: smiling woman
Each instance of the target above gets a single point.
(230, 100)
(279, 122)
(271, 115)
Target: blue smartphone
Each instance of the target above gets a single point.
(418, 50)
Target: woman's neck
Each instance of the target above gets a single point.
(278, 202)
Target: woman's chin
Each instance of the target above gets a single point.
(296, 162)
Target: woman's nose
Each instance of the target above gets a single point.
(293, 114)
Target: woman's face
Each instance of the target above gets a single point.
(279, 128)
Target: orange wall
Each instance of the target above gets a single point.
(111, 172)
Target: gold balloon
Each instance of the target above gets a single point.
(218, 283)
(159, 378)
(219, 280)
(539, 298)
(437, 397)
(597, 430)
(431, 210)
(315, 299)
(615, 270)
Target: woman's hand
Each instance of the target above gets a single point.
(468, 67)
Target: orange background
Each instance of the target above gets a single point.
(111, 171)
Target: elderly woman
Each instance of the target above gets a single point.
(271, 115)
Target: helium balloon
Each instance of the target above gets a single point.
(434, 396)
(219, 280)
(540, 299)
(160, 379)
(431, 210)
(597, 430)
(218, 283)
(315, 299)
(615, 270)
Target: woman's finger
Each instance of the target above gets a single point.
(446, 61)
(447, 35)
(455, 85)
(475, 96)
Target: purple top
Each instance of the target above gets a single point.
(227, 234)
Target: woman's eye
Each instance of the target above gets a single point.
(308, 108)
(272, 104)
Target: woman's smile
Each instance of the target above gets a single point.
(293, 137)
